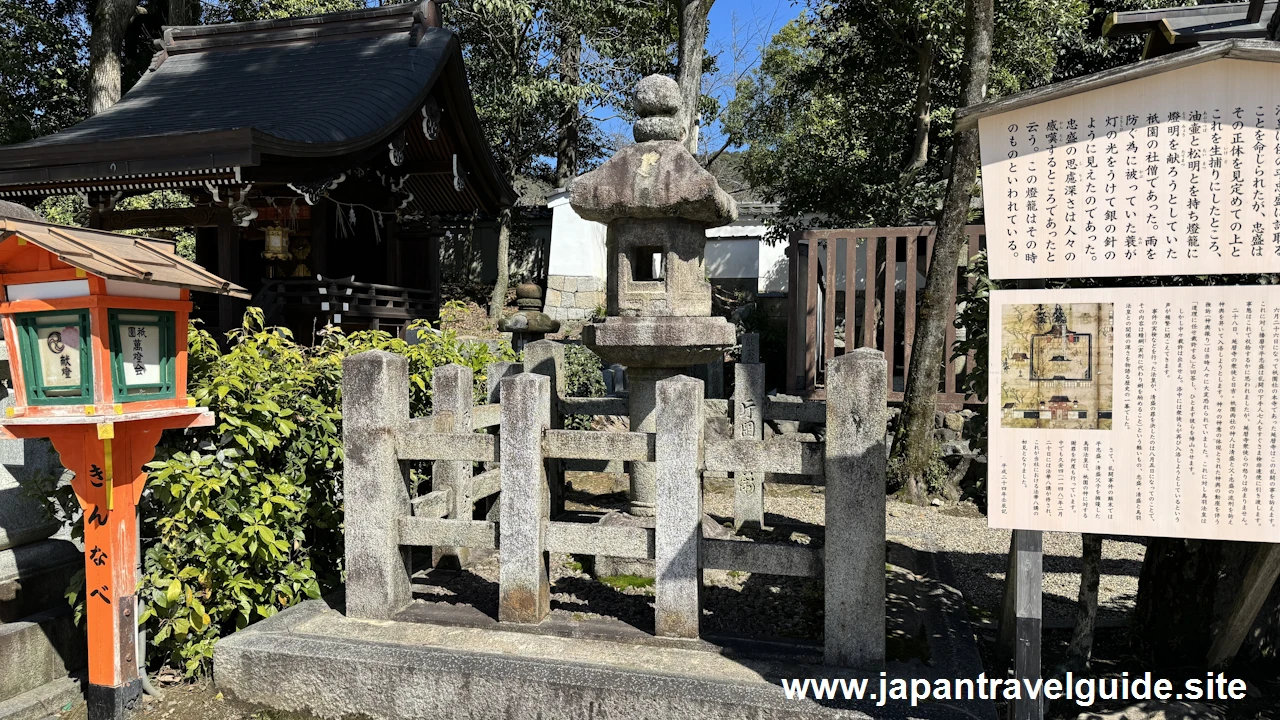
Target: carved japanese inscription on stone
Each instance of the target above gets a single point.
(1174, 173)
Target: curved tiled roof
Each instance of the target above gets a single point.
(314, 93)
(218, 98)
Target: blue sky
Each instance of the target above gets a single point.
(736, 31)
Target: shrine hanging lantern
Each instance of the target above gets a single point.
(277, 244)
(96, 328)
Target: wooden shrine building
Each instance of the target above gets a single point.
(317, 154)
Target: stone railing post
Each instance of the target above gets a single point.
(375, 401)
(495, 374)
(451, 401)
(678, 537)
(748, 424)
(546, 357)
(854, 553)
(524, 592)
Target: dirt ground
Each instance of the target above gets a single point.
(193, 700)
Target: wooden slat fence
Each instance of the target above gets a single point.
(868, 282)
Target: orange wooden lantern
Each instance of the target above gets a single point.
(96, 328)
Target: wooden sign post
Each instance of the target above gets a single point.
(97, 338)
(1134, 411)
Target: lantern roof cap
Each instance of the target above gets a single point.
(113, 256)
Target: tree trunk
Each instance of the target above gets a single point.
(914, 437)
(924, 113)
(567, 136)
(499, 298)
(184, 12)
(1176, 596)
(109, 21)
(1080, 651)
(693, 38)
(1186, 591)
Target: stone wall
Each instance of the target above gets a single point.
(573, 297)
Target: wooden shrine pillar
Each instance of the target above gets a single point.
(394, 264)
(321, 236)
(229, 308)
(434, 261)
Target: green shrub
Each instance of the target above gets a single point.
(244, 518)
(582, 379)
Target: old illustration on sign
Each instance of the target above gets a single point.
(1056, 362)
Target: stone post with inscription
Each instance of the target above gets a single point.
(857, 413)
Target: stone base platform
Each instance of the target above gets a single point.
(311, 659)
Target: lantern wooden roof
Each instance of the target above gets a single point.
(112, 256)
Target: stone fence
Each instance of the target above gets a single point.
(511, 447)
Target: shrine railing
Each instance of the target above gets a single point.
(344, 301)
(519, 464)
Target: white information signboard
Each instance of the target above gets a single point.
(1136, 411)
(1175, 173)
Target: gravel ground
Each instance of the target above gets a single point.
(766, 606)
(978, 554)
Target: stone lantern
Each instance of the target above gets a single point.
(657, 202)
(529, 323)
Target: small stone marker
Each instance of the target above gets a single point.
(524, 594)
(677, 544)
(451, 400)
(374, 404)
(748, 424)
(855, 468)
(546, 357)
(750, 348)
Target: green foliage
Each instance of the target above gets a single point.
(69, 210)
(225, 11)
(42, 68)
(244, 518)
(624, 582)
(513, 47)
(829, 117)
(582, 379)
(973, 302)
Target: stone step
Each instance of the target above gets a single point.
(312, 660)
(38, 650)
(46, 701)
(34, 577)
